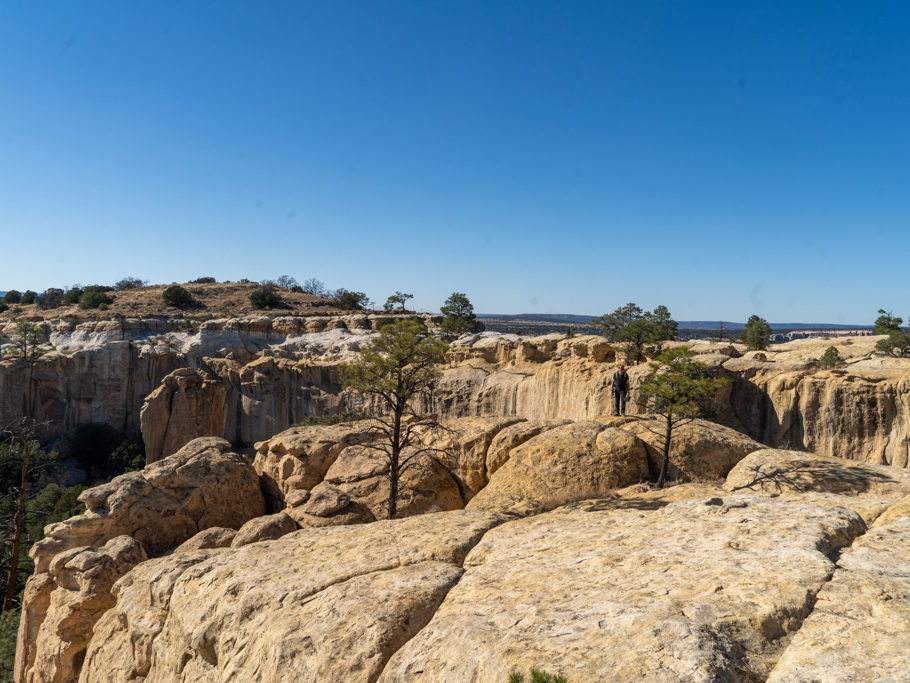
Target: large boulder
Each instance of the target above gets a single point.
(426, 485)
(318, 604)
(299, 457)
(568, 463)
(200, 486)
(513, 436)
(698, 450)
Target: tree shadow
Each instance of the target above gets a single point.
(613, 504)
(813, 475)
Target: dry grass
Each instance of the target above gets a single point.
(217, 300)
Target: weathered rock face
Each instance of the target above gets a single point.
(696, 591)
(318, 604)
(572, 462)
(201, 485)
(73, 594)
(186, 405)
(860, 626)
(138, 513)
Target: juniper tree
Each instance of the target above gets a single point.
(757, 333)
(459, 315)
(398, 298)
(679, 390)
(397, 370)
(635, 328)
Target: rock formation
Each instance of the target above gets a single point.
(795, 556)
(136, 515)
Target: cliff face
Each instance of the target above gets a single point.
(247, 379)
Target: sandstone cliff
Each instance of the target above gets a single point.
(246, 379)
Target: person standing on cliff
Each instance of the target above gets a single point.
(620, 386)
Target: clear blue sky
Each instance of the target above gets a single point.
(721, 158)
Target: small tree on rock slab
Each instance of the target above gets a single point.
(398, 369)
(757, 333)
(680, 390)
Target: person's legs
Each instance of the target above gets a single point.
(616, 395)
(622, 398)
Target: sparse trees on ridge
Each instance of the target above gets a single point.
(399, 299)
(634, 328)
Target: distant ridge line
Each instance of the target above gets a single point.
(683, 324)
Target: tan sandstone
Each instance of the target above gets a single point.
(318, 604)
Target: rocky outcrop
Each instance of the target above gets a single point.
(860, 625)
(72, 595)
(186, 405)
(733, 583)
(573, 462)
(139, 513)
(200, 486)
(318, 604)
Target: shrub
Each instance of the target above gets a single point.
(3, 307)
(350, 301)
(570, 332)
(287, 282)
(265, 297)
(129, 283)
(94, 296)
(72, 296)
(383, 322)
(12, 297)
(829, 359)
(537, 676)
(203, 281)
(897, 344)
(314, 286)
(51, 298)
(28, 297)
(177, 296)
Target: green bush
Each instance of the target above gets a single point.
(383, 322)
(897, 344)
(12, 297)
(177, 296)
(72, 296)
(350, 301)
(830, 358)
(3, 307)
(203, 281)
(51, 298)
(265, 297)
(9, 627)
(28, 297)
(537, 676)
(95, 296)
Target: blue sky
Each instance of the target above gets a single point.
(720, 158)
